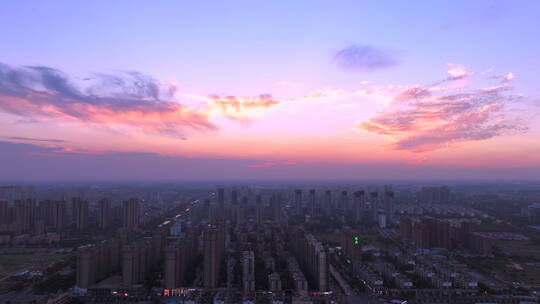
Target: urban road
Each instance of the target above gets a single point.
(353, 296)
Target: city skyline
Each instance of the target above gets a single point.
(421, 242)
(304, 90)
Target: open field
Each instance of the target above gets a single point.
(523, 266)
(523, 249)
(12, 263)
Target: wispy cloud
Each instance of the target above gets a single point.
(18, 138)
(76, 151)
(457, 71)
(288, 83)
(421, 119)
(262, 165)
(364, 58)
(239, 108)
(289, 163)
(271, 164)
(504, 77)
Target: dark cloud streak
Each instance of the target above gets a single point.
(36, 139)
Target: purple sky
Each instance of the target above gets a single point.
(266, 90)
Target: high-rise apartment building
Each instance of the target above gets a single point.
(405, 228)
(95, 262)
(80, 213)
(221, 227)
(389, 207)
(328, 202)
(248, 271)
(298, 204)
(274, 282)
(240, 215)
(105, 214)
(421, 234)
(221, 199)
(159, 243)
(45, 209)
(275, 205)
(258, 210)
(211, 259)
(374, 201)
(434, 195)
(25, 213)
(234, 197)
(312, 202)
(344, 202)
(178, 257)
(312, 257)
(4, 212)
(213, 212)
(131, 214)
(59, 218)
(136, 262)
(317, 263)
(359, 203)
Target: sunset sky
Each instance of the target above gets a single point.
(121, 90)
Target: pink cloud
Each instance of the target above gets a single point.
(423, 118)
(457, 71)
(271, 164)
(262, 165)
(130, 99)
(289, 163)
(238, 108)
(504, 77)
(69, 150)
